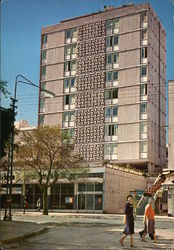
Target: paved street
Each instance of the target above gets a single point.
(89, 232)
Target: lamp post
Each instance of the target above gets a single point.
(24, 80)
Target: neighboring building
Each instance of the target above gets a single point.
(108, 71)
(171, 124)
(170, 183)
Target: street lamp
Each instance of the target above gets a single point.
(24, 80)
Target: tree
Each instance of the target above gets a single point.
(6, 118)
(3, 88)
(46, 151)
(6, 124)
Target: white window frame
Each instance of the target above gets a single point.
(67, 119)
(72, 54)
(143, 149)
(109, 153)
(111, 117)
(71, 102)
(72, 37)
(69, 87)
(112, 64)
(111, 100)
(143, 92)
(111, 132)
(143, 110)
(112, 82)
(112, 26)
(143, 130)
(110, 43)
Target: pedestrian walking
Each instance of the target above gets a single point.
(38, 204)
(149, 221)
(128, 221)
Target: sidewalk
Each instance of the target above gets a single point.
(15, 230)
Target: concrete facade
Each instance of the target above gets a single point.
(107, 70)
(117, 187)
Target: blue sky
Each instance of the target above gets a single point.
(21, 22)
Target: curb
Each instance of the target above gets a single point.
(24, 236)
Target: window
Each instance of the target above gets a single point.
(44, 39)
(43, 70)
(143, 108)
(112, 24)
(111, 76)
(70, 66)
(111, 41)
(144, 52)
(144, 71)
(111, 151)
(69, 116)
(42, 103)
(143, 147)
(111, 114)
(111, 130)
(115, 111)
(107, 112)
(69, 99)
(143, 34)
(70, 49)
(143, 89)
(44, 53)
(71, 33)
(112, 58)
(69, 83)
(144, 16)
(68, 119)
(43, 84)
(41, 119)
(111, 94)
(143, 127)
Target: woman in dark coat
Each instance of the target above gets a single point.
(128, 221)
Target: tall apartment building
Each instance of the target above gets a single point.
(108, 71)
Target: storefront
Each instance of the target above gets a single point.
(78, 193)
